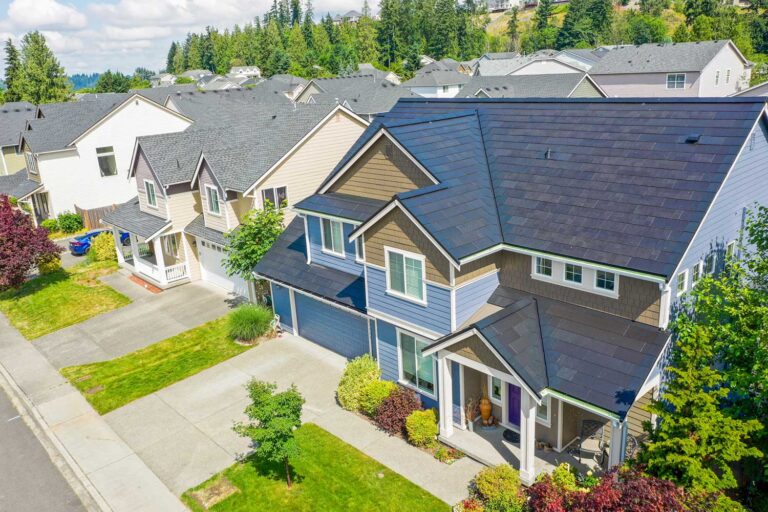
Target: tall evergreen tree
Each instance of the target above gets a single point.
(443, 41)
(308, 26)
(295, 12)
(169, 64)
(113, 82)
(542, 15)
(367, 47)
(13, 73)
(601, 15)
(389, 21)
(513, 31)
(577, 26)
(44, 79)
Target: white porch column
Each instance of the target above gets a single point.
(159, 260)
(616, 451)
(118, 246)
(527, 438)
(445, 397)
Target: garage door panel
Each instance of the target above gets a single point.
(331, 327)
(212, 269)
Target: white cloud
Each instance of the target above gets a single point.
(45, 14)
(179, 12)
(62, 44)
(114, 33)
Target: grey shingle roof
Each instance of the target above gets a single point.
(658, 58)
(220, 108)
(160, 94)
(609, 181)
(17, 185)
(522, 86)
(436, 78)
(341, 205)
(129, 217)
(13, 119)
(364, 94)
(592, 356)
(11, 105)
(286, 263)
(198, 228)
(499, 67)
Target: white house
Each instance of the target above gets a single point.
(81, 151)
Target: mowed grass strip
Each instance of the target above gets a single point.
(111, 384)
(328, 475)
(51, 302)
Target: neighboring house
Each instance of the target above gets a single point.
(244, 71)
(538, 63)
(701, 69)
(467, 66)
(755, 90)
(20, 187)
(289, 85)
(569, 85)
(369, 69)
(162, 80)
(195, 186)
(347, 17)
(365, 95)
(196, 74)
(80, 151)
(13, 119)
(215, 108)
(436, 83)
(216, 83)
(531, 251)
(160, 94)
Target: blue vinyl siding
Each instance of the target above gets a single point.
(331, 327)
(387, 341)
(281, 302)
(345, 264)
(435, 316)
(471, 296)
(747, 185)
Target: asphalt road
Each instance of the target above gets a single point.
(29, 481)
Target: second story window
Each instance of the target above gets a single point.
(277, 196)
(543, 266)
(709, 264)
(696, 273)
(727, 76)
(212, 194)
(605, 280)
(406, 275)
(676, 81)
(360, 249)
(107, 163)
(682, 282)
(31, 162)
(573, 273)
(149, 188)
(333, 237)
(730, 250)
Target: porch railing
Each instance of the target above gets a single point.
(175, 272)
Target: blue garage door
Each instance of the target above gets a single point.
(331, 327)
(281, 300)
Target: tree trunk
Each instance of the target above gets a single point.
(288, 473)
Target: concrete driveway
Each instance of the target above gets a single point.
(148, 319)
(184, 432)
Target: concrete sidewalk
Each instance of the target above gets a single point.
(108, 468)
(184, 432)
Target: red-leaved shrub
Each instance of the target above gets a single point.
(545, 496)
(395, 409)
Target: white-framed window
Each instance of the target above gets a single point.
(332, 232)
(416, 370)
(727, 76)
(149, 188)
(169, 246)
(543, 414)
(277, 196)
(405, 275)
(107, 163)
(446, 88)
(709, 263)
(717, 78)
(696, 273)
(730, 249)
(682, 282)
(494, 389)
(573, 273)
(676, 81)
(605, 280)
(543, 267)
(360, 249)
(212, 200)
(31, 162)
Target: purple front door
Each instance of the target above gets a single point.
(513, 405)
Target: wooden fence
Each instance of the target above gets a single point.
(92, 218)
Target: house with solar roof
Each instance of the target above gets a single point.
(529, 251)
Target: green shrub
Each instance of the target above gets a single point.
(373, 394)
(359, 372)
(52, 225)
(102, 248)
(50, 266)
(422, 428)
(249, 321)
(500, 488)
(70, 222)
(564, 478)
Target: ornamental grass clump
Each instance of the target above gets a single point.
(249, 321)
(422, 428)
(359, 373)
(373, 394)
(395, 409)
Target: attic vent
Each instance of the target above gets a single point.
(548, 154)
(274, 116)
(693, 138)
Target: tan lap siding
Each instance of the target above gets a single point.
(190, 249)
(478, 268)
(638, 414)
(395, 230)
(213, 221)
(143, 172)
(383, 171)
(14, 162)
(638, 300)
(585, 89)
(183, 206)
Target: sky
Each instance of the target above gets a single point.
(121, 35)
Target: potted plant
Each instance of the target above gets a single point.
(485, 406)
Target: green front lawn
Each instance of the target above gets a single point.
(66, 297)
(111, 384)
(328, 475)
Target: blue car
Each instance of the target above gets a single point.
(82, 244)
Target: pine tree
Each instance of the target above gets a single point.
(389, 21)
(681, 34)
(192, 52)
(513, 31)
(601, 14)
(695, 442)
(113, 82)
(577, 26)
(295, 12)
(443, 42)
(367, 48)
(178, 60)
(44, 79)
(169, 64)
(543, 14)
(308, 26)
(13, 72)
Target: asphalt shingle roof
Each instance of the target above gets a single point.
(522, 86)
(198, 228)
(436, 78)
(657, 58)
(608, 181)
(220, 108)
(18, 185)
(129, 217)
(286, 263)
(364, 94)
(499, 67)
(342, 205)
(13, 119)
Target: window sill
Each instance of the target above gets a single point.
(332, 253)
(402, 296)
(409, 385)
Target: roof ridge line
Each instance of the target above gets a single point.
(423, 120)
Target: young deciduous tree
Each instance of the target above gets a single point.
(251, 241)
(274, 417)
(22, 246)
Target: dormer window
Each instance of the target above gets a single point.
(212, 194)
(405, 275)
(333, 237)
(149, 189)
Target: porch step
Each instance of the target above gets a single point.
(474, 456)
(144, 284)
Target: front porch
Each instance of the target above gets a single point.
(161, 260)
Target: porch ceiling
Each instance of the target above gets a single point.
(129, 217)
